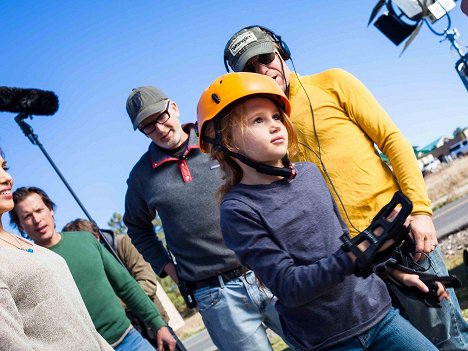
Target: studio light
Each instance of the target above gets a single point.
(402, 20)
(394, 28)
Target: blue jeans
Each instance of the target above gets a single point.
(445, 326)
(393, 333)
(236, 314)
(133, 341)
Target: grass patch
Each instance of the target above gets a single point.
(456, 267)
(278, 344)
(193, 325)
(448, 182)
(184, 335)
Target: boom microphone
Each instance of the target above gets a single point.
(28, 101)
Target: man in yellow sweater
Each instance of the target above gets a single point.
(339, 123)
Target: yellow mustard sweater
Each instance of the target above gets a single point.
(349, 122)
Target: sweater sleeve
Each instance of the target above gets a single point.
(127, 289)
(364, 110)
(12, 335)
(138, 267)
(138, 218)
(257, 249)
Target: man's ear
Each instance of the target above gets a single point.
(173, 106)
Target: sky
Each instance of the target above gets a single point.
(92, 53)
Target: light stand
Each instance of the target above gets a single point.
(461, 66)
(34, 139)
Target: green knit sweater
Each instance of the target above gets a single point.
(100, 278)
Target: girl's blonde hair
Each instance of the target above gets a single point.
(227, 121)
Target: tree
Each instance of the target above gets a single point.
(459, 131)
(116, 223)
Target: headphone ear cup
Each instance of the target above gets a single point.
(283, 47)
(285, 53)
(226, 63)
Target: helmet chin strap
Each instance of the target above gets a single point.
(288, 171)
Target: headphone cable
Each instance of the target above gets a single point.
(311, 112)
(319, 154)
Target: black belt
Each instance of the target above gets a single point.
(217, 279)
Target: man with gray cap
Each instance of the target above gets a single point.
(339, 122)
(178, 181)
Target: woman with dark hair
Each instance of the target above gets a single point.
(40, 305)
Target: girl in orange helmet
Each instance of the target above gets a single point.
(282, 222)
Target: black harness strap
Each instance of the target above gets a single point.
(391, 230)
(288, 171)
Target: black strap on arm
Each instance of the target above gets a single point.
(390, 230)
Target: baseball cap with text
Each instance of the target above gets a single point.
(246, 44)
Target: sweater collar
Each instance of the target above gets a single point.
(157, 156)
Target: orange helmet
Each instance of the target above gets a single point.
(231, 87)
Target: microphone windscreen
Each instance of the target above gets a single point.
(28, 101)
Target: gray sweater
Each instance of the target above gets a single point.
(40, 306)
(288, 234)
(182, 192)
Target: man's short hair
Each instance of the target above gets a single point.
(22, 193)
(82, 225)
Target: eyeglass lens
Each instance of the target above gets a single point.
(161, 119)
(263, 59)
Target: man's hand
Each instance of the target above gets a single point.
(165, 340)
(412, 280)
(424, 234)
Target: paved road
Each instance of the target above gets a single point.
(200, 342)
(451, 217)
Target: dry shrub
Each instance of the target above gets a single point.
(449, 182)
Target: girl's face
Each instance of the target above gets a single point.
(263, 137)
(6, 183)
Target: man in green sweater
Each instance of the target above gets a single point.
(99, 277)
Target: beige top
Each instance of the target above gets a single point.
(40, 305)
(140, 270)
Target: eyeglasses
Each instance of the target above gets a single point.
(263, 59)
(162, 118)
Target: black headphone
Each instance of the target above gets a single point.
(283, 48)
